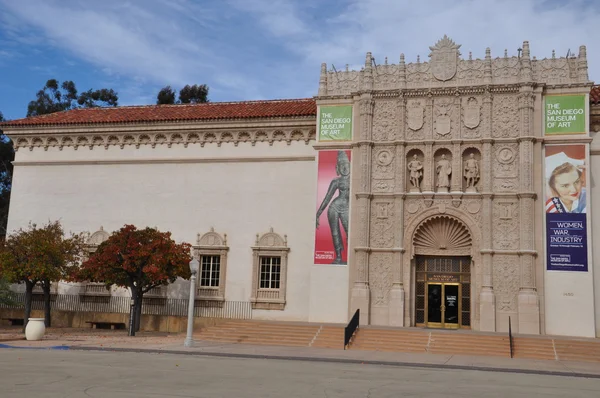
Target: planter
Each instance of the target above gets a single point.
(35, 329)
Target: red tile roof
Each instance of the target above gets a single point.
(192, 112)
(172, 113)
(595, 95)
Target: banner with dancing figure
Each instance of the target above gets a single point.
(333, 200)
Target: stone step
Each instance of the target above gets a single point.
(241, 327)
(267, 342)
(256, 330)
(255, 337)
(444, 342)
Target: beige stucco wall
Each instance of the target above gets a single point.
(570, 308)
(239, 190)
(595, 222)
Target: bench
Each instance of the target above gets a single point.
(106, 325)
(14, 321)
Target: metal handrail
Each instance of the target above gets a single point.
(351, 328)
(510, 337)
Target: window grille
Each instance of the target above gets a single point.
(210, 271)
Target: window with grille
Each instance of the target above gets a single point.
(210, 271)
(270, 272)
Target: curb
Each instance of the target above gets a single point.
(341, 360)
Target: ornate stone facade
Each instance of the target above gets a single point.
(446, 160)
(464, 128)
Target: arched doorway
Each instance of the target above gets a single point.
(442, 258)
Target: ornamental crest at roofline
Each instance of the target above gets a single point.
(444, 59)
(447, 69)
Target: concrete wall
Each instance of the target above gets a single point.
(239, 190)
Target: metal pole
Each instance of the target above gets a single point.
(190, 326)
(132, 318)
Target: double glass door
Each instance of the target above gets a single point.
(443, 305)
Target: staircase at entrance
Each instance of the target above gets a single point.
(415, 340)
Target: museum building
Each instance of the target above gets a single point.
(451, 193)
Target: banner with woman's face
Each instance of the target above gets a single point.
(565, 179)
(566, 207)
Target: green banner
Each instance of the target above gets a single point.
(564, 114)
(335, 123)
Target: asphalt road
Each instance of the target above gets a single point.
(51, 373)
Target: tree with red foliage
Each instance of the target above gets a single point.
(40, 255)
(139, 260)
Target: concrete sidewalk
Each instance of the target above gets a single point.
(162, 343)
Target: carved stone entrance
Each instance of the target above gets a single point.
(442, 289)
(443, 292)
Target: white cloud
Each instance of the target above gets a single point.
(249, 49)
(280, 18)
(390, 27)
(147, 40)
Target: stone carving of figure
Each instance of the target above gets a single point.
(338, 209)
(416, 172)
(443, 170)
(471, 173)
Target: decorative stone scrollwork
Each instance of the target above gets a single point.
(211, 239)
(382, 224)
(506, 119)
(553, 70)
(473, 208)
(380, 277)
(385, 120)
(506, 271)
(506, 224)
(470, 71)
(413, 206)
(383, 163)
(505, 69)
(271, 240)
(386, 77)
(383, 186)
(527, 230)
(169, 139)
(418, 74)
(505, 170)
(342, 83)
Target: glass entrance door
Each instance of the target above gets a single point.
(443, 305)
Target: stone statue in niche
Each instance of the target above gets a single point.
(416, 172)
(471, 173)
(443, 170)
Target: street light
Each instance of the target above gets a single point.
(194, 265)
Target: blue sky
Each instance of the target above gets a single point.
(258, 49)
